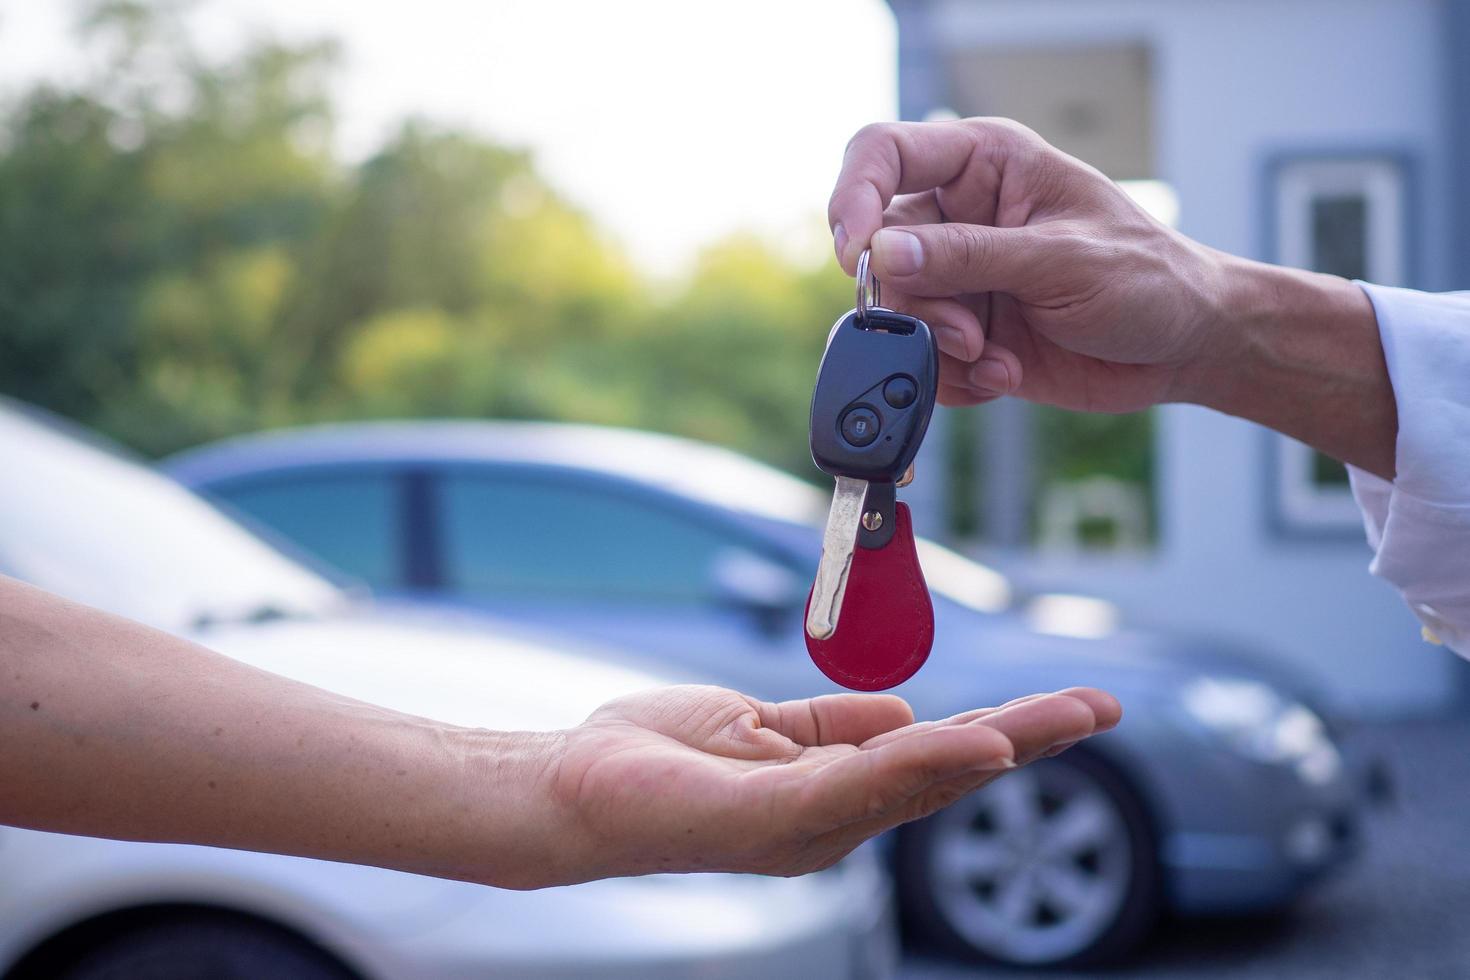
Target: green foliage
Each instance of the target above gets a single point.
(732, 359)
(184, 259)
(962, 457)
(76, 242)
(1076, 445)
(149, 253)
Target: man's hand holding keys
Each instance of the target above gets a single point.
(1042, 278)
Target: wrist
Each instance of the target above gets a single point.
(1246, 300)
(503, 823)
(1298, 352)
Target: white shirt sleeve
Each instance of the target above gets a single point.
(1419, 525)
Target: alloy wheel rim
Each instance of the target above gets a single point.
(1034, 867)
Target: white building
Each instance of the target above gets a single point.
(1324, 133)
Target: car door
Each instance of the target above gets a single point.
(619, 563)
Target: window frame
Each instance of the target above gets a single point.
(1297, 506)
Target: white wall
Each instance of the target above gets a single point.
(1235, 82)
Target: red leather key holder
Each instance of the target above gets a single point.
(886, 628)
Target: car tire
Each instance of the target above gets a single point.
(1055, 864)
(203, 945)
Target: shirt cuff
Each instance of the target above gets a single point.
(1419, 524)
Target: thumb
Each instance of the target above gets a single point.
(952, 258)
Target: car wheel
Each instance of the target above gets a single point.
(1053, 864)
(203, 946)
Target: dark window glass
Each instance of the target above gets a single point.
(519, 537)
(1339, 247)
(1328, 472)
(348, 520)
(1340, 235)
(1105, 463)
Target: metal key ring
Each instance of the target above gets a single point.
(869, 291)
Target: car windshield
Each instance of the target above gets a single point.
(91, 525)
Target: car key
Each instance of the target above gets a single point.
(839, 539)
(871, 406)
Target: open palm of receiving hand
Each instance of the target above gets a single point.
(703, 778)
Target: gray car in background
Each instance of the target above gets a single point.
(1223, 791)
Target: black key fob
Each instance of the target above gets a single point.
(871, 406)
(874, 395)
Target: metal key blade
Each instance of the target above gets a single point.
(838, 541)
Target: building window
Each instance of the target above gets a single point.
(1312, 491)
(1344, 215)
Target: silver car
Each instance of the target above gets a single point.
(1224, 790)
(82, 521)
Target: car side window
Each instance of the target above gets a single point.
(512, 536)
(349, 520)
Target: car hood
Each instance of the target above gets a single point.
(988, 638)
(1011, 658)
(481, 678)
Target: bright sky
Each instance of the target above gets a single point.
(674, 122)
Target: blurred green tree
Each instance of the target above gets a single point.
(77, 239)
(150, 220)
(186, 259)
(732, 358)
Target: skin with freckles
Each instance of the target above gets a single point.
(1044, 280)
(112, 729)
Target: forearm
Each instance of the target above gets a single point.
(1299, 352)
(116, 730)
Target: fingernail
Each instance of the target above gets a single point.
(953, 341)
(996, 765)
(990, 375)
(898, 252)
(839, 241)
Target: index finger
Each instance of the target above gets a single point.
(873, 783)
(1033, 727)
(887, 159)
